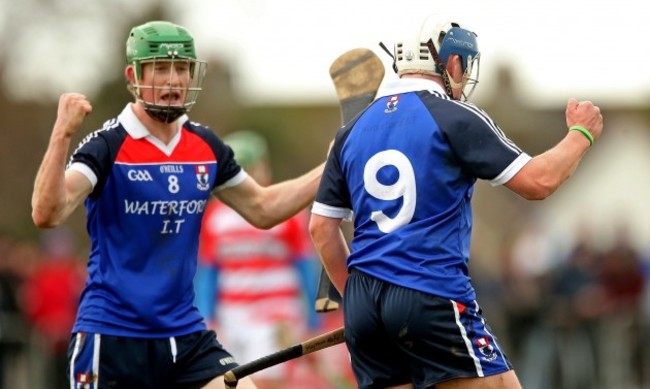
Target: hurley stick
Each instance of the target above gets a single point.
(356, 75)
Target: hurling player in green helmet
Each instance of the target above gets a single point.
(162, 69)
(145, 179)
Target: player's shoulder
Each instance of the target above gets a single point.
(204, 132)
(435, 98)
(199, 129)
(109, 128)
(111, 131)
(445, 109)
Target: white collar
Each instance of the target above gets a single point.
(137, 130)
(404, 85)
(134, 126)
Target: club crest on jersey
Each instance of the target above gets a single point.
(485, 347)
(391, 104)
(202, 177)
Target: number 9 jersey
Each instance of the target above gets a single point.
(405, 169)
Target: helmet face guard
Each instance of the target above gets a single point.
(167, 75)
(163, 96)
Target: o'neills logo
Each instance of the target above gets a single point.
(226, 361)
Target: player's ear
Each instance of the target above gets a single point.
(455, 68)
(129, 73)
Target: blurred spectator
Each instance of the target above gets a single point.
(644, 343)
(529, 259)
(50, 296)
(262, 282)
(622, 282)
(577, 323)
(17, 259)
(574, 297)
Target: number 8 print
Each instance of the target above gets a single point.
(404, 187)
(173, 184)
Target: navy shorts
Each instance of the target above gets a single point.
(397, 335)
(189, 361)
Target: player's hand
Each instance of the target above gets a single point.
(73, 109)
(585, 114)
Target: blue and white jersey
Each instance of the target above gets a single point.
(143, 218)
(406, 168)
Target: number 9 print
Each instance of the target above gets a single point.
(404, 187)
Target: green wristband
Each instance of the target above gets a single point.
(585, 132)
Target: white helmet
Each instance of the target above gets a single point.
(412, 54)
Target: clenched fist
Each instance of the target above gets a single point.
(585, 114)
(73, 109)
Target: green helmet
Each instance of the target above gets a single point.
(248, 146)
(158, 39)
(164, 41)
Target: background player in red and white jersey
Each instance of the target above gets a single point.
(256, 286)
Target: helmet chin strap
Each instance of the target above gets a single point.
(383, 46)
(453, 84)
(443, 69)
(164, 114)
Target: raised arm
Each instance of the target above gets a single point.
(58, 193)
(546, 172)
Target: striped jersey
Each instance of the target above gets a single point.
(256, 267)
(143, 218)
(405, 170)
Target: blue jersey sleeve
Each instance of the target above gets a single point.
(98, 151)
(333, 188)
(482, 149)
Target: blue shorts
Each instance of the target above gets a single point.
(397, 335)
(189, 361)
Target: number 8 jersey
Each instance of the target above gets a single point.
(405, 171)
(143, 218)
